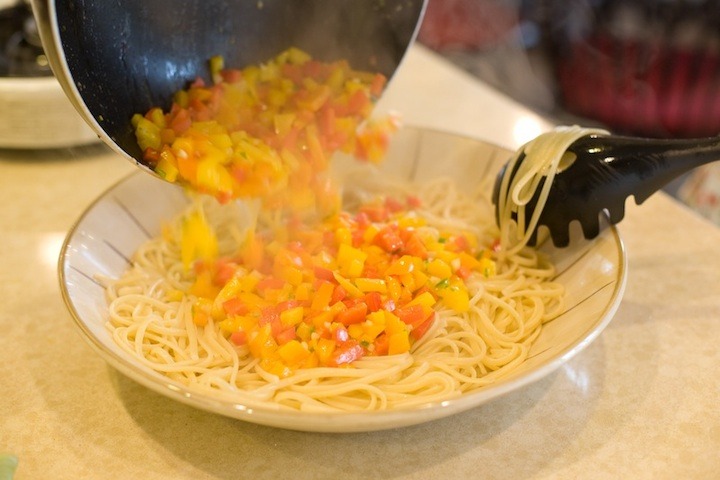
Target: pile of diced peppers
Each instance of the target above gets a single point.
(311, 294)
(349, 287)
(265, 130)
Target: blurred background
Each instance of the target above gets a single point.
(643, 67)
(638, 67)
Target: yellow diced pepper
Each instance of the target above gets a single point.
(394, 288)
(371, 330)
(320, 319)
(228, 291)
(167, 166)
(411, 221)
(174, 295)
(370, 233)
(291, 316)
(398, 343)
(456, 298)
(349, 287)
(401, 266)
(201, 312)
(356, 331)
(393, 324)
(343, 236)
(147, 133)
(487, 267)
(217, 63)
(371, 285)
(203, 286)
(213, 176)
(262, 344)
(198, 239)
(304, 331)
(283, 123)
(468, 261)
(293, 352)
(439, 268)
(408, 281)
(291, 275)
(324, 350)
(419, 278)
(322, 297)
(303, 291)
(425, 299)
(275, 367)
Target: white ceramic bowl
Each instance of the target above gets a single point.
(107, 234)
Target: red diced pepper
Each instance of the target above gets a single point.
(376, 213)
(378, 84)
(287, 305)
(463, 272)
(357, 238)
(382, 344)
(389, 240)
(417, 332)
(393, 204)
(413, 202)
(357, 102)
(312, 68)
(270, 283)
(373, 300)
(224, 271)
(180, 121)
(235, 306)
(231, 75)
(270, 315)
(324, 274)
(414, 246)
(354, 314)
(461, 243)
(151, 155)
(293, 72)
(238, 338)
(327, 121)
(411, 314)
(285, 335)
(362, 220)
(338, 295)
(291, 139)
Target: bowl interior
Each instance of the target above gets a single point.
(107, 234)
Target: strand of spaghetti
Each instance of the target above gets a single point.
(540, 160)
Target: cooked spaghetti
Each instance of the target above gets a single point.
(154, 315)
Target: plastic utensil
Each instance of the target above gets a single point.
(606, 171)
(118, 58)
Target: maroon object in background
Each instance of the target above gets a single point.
(646, 88)
(644, 67)
(640, 67)
(465, 24)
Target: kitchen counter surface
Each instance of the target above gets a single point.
(641, 402)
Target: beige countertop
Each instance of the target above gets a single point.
(640, 402)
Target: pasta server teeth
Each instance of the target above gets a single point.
(604, 171)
